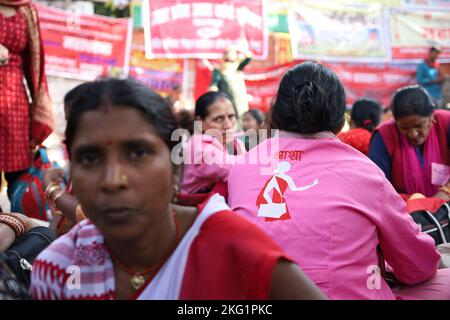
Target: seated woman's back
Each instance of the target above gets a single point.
(333, 229)
(327, 204)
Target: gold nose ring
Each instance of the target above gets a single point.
(124, 178)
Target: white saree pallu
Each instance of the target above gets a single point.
(166, 285)
(83, 248)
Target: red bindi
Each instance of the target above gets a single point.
(108, 143)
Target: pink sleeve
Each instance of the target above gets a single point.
(411, 253)
(213, 162)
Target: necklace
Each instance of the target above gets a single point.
(137, 279)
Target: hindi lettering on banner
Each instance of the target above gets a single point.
(426, 4)
(262, 85)
(83, 46)
(162, 75)
(375, 81)
(378, 81)
(413, 32)
(192, 29)
(337, 31)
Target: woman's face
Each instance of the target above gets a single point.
(116, 158)
(415, 128)
(221, 117)
(248, 122)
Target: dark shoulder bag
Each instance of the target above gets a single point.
(20, 256)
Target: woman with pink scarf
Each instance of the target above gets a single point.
(212, 149)
(328, 205)
(412, 149)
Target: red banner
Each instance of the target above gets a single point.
(262, 86)
(83, 46)
(376, 81)
(193, 29)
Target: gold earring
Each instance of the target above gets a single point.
(176, 192)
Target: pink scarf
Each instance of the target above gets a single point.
(418, 179)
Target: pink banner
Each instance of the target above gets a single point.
(84, 46)
(193, 29)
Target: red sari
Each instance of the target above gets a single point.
(358, 138)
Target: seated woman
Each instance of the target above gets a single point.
(252, 122)
(364, 118)
(134, 244)
(408, 147)
(328, 205)
(209, 156)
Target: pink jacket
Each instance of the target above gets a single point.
(206, 162)
(329, 211)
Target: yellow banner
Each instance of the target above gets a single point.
(333, 30)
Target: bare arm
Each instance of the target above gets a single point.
(290, 283)
(66, 203)
(7, 234)
(7, 237)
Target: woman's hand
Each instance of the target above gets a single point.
(4, 55)
(55, 175)
(7, 234)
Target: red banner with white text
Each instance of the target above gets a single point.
(193, 29)
(262, 86)
(376, 81)
(84, 46)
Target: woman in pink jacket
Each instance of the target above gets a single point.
(210, 152)
(329, 206)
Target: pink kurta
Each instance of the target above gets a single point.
(206, 163)
(336, 225)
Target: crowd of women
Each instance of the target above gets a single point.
(323, 216)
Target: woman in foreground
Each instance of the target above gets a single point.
(134, 244)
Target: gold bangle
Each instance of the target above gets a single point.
(51, 184)
(445, 189)
(15, 222)
(79, 214)
(55, 195)
(50, 190)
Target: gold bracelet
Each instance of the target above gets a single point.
(55, 195)
(15, 222)
(51, 188)
(445, 190)
(79, 214)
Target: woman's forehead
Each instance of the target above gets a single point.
(117, 122)
(411, 120)
(222, 105)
